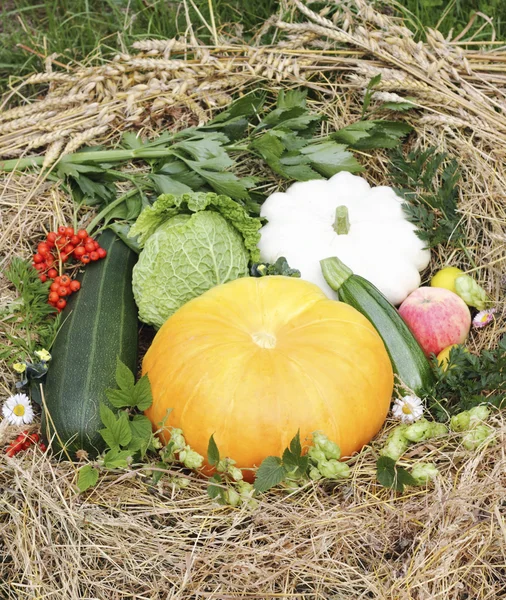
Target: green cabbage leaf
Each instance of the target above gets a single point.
(190, 243)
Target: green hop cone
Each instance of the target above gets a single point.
(245, 489)
(416, 432)
(472, 293)
(316, 454)
(177, 439)
(422, 473)
(478, 414)
(436, 430)
(396, 443)
(232, 497)
(461, 421)
(477, 436)
(333, 469)
(330, 449)
(235, 473)
(190, 458)
(314, 474)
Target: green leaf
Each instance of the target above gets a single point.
(295, 447)
(124, 377)
(116, 433)
(87, 477)
(119, 398)
(141, 427)
(107, 417)
(216, 491)
(116, 458)
(392, 476)
(165, 184)
(329, 158)
(213, 454)
(290, 461)
(399, 106)
(142, 397)
(270, 473)
(369, 92)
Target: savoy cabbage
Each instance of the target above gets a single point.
(190, 243)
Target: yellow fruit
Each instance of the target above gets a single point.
(257, 359)
(446, 278)
(444, 356)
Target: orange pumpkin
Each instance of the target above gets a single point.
(254, 360)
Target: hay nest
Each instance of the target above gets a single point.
(126, 539)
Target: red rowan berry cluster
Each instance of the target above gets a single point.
(23, 442)
(53, 253)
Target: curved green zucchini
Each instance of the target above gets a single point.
(100, 324)
(407, 357)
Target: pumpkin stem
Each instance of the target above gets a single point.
(335, 272)
(342, 222)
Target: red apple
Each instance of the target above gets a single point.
(437, 318)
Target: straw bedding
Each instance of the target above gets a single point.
(127, 540)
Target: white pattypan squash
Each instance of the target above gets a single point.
(375, 240)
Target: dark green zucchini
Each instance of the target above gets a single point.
(99, 324)
(407, 357)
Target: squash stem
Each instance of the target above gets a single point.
(335, 272)
(342, 222)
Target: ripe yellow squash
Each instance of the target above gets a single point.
(254, 360)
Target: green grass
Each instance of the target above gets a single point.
(75, 29)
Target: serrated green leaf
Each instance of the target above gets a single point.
(397, 106)
(373, 82)
(392, 476)
(142, 397)
(270, 473)
(213, 454)
(116, 459)
(117, 433)
(119, 398)
(87, 477)
(295, 447)
(214, 489)
(329, 158)
(141, 427)
(290, 461)
(107, 417)
(125, 379)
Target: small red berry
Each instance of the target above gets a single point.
(65, 280)
(51, 237)
(43, 447)
(41, 266)
(52, 273)
(62, 230)
(62, 291)
(82, 234)
(74, 240)
(102, 252)
(43, 278)
(79, 251)
(57, 279)
(61, 304)
(97, 245)
(53, 297)
(43, 249)
(75, 285)
(89, 246)
(38, 258)
(61, 242)
(85, 259)
(94, 255)
(69, 232)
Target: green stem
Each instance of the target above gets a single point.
(335, 272)
(88, 157)
(108, 209)
(342, 222)
(468, 256)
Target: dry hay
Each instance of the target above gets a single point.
(126, 540)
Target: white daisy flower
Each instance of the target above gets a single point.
(408, 409)
(17, 410)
